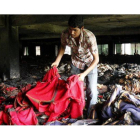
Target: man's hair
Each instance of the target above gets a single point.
(76, 21)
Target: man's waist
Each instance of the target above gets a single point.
(80, 64)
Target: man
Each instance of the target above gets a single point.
(84, 55)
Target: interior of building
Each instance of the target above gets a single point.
(30, 43)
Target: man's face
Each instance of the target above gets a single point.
(74, 32)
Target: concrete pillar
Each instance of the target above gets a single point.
(111, 48)
(9, 51)
(14, 53)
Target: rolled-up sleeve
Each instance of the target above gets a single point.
(63, 39)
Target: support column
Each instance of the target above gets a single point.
(14, 53)
(9, 51)
(111, 48)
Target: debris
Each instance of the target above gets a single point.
(109, 76)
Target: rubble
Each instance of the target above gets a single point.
(109, 75)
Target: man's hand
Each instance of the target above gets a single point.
(60, 54)
(55, 64)
(81, 76)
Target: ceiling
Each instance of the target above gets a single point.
(51, 26)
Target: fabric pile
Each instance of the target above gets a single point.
(121, 108)
(49, 100)
(58, 98)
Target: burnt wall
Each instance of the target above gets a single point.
(4, 53)
(9, 51)
(14, 53)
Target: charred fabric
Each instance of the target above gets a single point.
(118, 98)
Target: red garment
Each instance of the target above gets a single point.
(73, 100)
(1, 117)
(10, 91)
(68, 95)
(21, 98)
(23, 117)
(26, 88)
(4, 117)
(51, 74)
(44, 91)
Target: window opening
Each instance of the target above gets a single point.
(67, 50)
(26, 53)
(103, 49)
(127, 49)
(38, 50)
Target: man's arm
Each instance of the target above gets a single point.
(59, 56)
(91, 67)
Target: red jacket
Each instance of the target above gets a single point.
(56, 97)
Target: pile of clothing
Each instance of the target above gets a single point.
(33, 100)
(106, 72)
(49, 100)
(121, 108)
(127, 75)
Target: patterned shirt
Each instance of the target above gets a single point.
(81, 54)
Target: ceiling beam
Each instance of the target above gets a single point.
(42, 28)
(38, 36)
(117, 31)
(19, 20)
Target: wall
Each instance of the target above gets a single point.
(4, 53)
(9, 51)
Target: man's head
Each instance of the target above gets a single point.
(76, 24)
(76, 21)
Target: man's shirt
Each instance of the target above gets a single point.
(81, 54)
